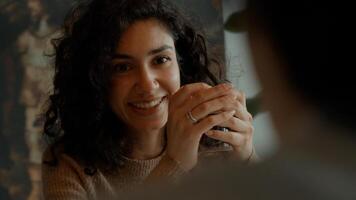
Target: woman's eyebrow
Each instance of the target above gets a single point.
(151, 52)
(160, 49)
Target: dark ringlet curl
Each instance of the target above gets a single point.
(79, 120)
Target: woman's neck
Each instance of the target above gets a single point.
(145, 145)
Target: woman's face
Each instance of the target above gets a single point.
(146, 73)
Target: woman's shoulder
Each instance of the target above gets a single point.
(57, 159)
(64, 177)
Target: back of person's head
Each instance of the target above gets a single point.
(303, 32)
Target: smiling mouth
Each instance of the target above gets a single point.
(148, 104)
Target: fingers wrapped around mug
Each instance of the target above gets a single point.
(240, 131)
(185, 125)
(192, 95)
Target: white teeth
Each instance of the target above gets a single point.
(149, 104)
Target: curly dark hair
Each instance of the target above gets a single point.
(79, 119)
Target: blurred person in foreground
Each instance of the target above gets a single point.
(308, 90)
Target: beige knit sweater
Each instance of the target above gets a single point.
(68, 180)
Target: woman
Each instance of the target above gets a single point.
(132, 101)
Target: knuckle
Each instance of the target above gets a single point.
(235, 104)
(230, 137)
(214, 133)
(238, 94)
(232, 97)
(198, 86)
(205, 85)
(198, 96)
(248, 138)
(184, 88)
(239, 106)
(250, 117)
(222, 101)
(247, 116)
(203, 107)
(211, 120)
(202, 85)
(250, 129)
(227, 99)
(235, 123)
(227, 115)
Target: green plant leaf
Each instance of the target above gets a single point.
(236, 22)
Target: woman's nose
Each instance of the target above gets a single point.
(146, 80)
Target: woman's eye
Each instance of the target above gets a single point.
(161, 60)
(122, 68)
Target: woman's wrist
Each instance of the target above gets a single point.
(246, 158)
(253, 158)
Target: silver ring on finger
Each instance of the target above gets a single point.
(223, 129)
(191, 117)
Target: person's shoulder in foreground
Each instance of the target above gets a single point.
(316, 172)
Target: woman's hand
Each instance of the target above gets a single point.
(240, 129)
(183, 132)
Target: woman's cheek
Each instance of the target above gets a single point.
(174, 79)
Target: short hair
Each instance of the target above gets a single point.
(305, 34)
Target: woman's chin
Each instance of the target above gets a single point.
(150, 126)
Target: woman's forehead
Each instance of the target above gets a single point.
(145, 35)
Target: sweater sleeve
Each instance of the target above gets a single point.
(63, 181)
